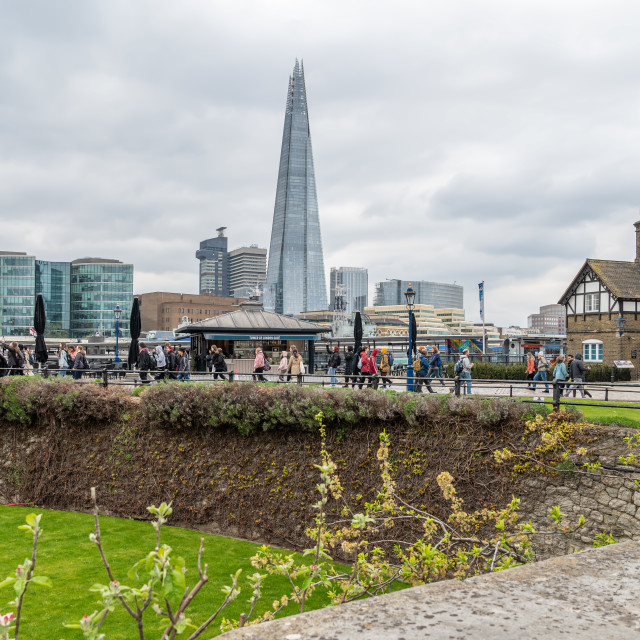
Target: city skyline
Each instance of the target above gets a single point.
(493, 142)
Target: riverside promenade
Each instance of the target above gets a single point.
(592, 595)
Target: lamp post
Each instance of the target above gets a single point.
(620, 321)
(117, 312)
(410, 295)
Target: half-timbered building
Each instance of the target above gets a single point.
(602, 293)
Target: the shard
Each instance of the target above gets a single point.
(295, 274)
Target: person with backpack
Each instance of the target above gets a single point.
(577, 372)
(543, 367)
(161, 363)
(144, 363)
(349, 363)
(463, 369)
(184, 367)
(219, 365)
(334, 362)
(79, 363)
(296, 364)
(560, 374)
(213, 350)
(365, 367)
(421, 371)
(386, 362)
(15, 359)
(435, 366)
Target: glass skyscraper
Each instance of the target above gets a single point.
(17, 293)
(439, 294)
(355, 285)
(214, 265)
(53, 281)
(295, 273)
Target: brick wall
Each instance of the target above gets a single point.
(600, 327)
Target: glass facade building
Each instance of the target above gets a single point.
(214, 265)
(295, 273)
(355, 286)
(439, 294)
(53, 281)
(96, 286)
(17, 293)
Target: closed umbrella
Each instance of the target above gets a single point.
(39, 324)
(357, 331)
(414, 332)
(135, 324)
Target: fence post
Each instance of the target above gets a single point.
(511, 391)
(456, 385)
(105, 377)
(231, 375)
(556, 395)
(376, 380)
(300, 376)
(606, 394)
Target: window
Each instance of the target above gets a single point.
(592, 302)
(592, 350)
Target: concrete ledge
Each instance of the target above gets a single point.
(592, 594)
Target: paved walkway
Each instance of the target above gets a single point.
(592, 595)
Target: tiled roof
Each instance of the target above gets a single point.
(621, 278)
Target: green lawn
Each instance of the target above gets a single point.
(66, 555)
(611, 415)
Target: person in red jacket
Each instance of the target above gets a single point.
(369, 368)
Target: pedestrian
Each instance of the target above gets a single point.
(423, 372)
(213, 351)
(259, 366)
(334, 363)
(560, 373)
(72, 358)
(172, 359)
(219, 365)
(531, 368)
(577, 372)
(357, 364)
(543, 367)
(15, 359)
(349, 363)
(184, 367)
(161, 363)
(467, 365)
(80, 363)
(64, 363)
(4, 365)
(365, 371)
(282, 366)
(144, 363)
(296, 364)
(27, 359)
(385, 368)
(435, 366)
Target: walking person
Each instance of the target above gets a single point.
(357, 364)
(282, 366)
(184, 367)
(63, 359)
(161, 363)
(296, 364)
(467, 365)
(560, 374)
(15, 360)
(213, 351)
(27, 357)
(423, 372)
(349, 363)
(543, 367)
(258, 366)
(79, 363)
(365, 371)
(219, 365)
(531, 369)
(435, 366)
(334, 363)
(172, 359)
(577, 372)
(385, 368)
(144, 363)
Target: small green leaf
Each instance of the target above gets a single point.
(42, 580)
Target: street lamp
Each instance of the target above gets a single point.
(410, 296)
(620, 322)
(117, 312)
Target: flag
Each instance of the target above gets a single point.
(481, 293)
(32, 331)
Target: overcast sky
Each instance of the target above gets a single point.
(453, 142)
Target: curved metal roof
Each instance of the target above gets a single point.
(252, 320)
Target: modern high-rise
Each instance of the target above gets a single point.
(97, 285)
(355, 286)
(17, 293)
(247, 270)
(214, 265)
(550, 319)
(439, 294)
(79, 296)
(295, 274)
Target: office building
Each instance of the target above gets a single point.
(53, 281)
(550, 319)
(165, 311)
(97, 285)
(354, 282)
(247, 271)
(437, 294)
(214, 265)
(295, 273)
(17, 293)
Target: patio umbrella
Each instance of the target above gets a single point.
(39, 324)
(135, 325)
(357, 331)
(414, 332)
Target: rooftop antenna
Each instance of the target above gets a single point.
(221, 231)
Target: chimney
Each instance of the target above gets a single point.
(637, 226)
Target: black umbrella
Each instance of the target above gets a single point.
(135, 325)
(39, 324)
(357, 331)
